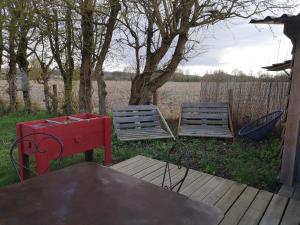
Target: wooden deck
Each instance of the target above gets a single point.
(240, 203)
(290, 192)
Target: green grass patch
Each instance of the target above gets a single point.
(255, 164)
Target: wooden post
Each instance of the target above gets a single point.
(155, 97)
(288, 166)
(230, 114)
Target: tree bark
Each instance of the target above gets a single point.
(68, 75)
(12, 64)
(23, 65)
(85, 85)
(68, 100)
(1, 41)
(115, 7)
(143, 86)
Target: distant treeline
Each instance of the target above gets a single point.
(215, 76)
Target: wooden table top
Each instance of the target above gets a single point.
(90, 194)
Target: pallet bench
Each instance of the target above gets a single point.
(205, 120)
(140, 122)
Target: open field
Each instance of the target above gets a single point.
(250, 99)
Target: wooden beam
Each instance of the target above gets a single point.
(292, 123)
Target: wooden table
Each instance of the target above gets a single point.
(90, 194)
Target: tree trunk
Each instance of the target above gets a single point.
(115, 7)
(54, 99)
(12, 64)
(141, 91)
(85, 85)
(1, 42)
(47, 93)
(23, 66)
(145, 85)
(68, 100)
(11, 79)
(102, 93)
(68, 75)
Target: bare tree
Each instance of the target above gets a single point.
(24, 28)
(12, 15)
(41, 51)
(87, 51)
(1, 35)
(60, 32)
(160, 33)
(114, 8)
(98, 20)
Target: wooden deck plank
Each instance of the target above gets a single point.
(174, 171)
(286, 191)
(189, 190)
(203, 191)
(257, 208)
(133, 165)
(216, 194)
(191, 177)
(274, 211)
(235, 213)
(156, 173)
(149, 170)
(127, 162)
(142, 167)
(230, 196)
(175, 178)
(296, 194)
(292, 213)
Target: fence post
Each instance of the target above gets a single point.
(155, 97)
(230, 105)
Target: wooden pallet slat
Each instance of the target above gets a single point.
(134, 108)
(220, 116)
(204, 110)
(196, 121)
(134, 113)
(205, 105)
(127, 126)
(133, 119)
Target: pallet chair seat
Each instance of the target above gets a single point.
(205, 120)
(140, 122)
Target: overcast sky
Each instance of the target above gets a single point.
(229, 46)
(240, 45)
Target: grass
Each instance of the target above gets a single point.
(254, 164)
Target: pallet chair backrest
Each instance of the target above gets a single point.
(135, 116)
(210, 114)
